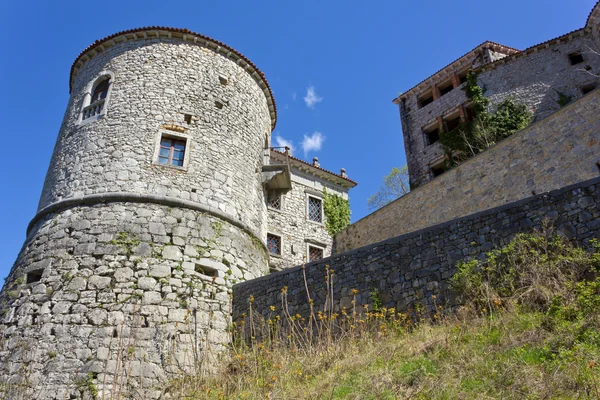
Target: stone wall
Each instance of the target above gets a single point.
(560, 150)
(156, 82)
(410, 269)
(128, 263)
(291, 222)
(93, 279)
(533, 77)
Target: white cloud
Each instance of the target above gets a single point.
(312, 97)
(281, 142)
(313, 142)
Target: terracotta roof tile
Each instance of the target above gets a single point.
(313, 166)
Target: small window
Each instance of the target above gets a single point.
(452, 123)
(187, 118)
(425, 99)
(100, 91)
(315, 209)
(588, 88)
(171, 151)
(314, 253)
(432, 135)
(34, 276)
(470, 113)
(205, 270)
(437, 170)
(446, 88)
(274, 200)
(274, 244)
(576, 58)
(462, 77)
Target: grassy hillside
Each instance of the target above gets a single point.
(529, 329)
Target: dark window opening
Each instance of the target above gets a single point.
(314, 253)
(274, 244)
(432, 135)
(315, 207)
(35, 276)
(588, 88)
(576, 58)
(218, 104)
(425, 99)
(171, 152)
(437, 170)
(223, 80)
(462, 77)
(187, 118)
(208, 271)
(100, 91)
(452, 123)
(446, 88)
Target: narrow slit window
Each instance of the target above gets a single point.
(187, 118)
(171, 151)
(274, 244)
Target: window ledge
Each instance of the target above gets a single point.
(277, 210)
(278, 256)
(174, 167)
(91, 119)
(315, 222)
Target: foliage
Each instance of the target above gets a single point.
(487, 128)
(524, 349)
(395, 185)
(563, 99)
(337, 212)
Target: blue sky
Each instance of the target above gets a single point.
(334, 67)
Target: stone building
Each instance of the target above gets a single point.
(567, 66)
(296, 228)
(154, 204)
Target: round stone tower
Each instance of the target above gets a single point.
(152, 208)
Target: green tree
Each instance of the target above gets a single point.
(395, 185)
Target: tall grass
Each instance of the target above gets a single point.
(529, 327)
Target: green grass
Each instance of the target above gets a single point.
(529, 329)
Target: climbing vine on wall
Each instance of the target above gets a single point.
(337, 212)
(487, 128)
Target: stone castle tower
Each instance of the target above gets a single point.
(153, 206)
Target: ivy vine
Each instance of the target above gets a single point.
(486, 128)
(337, 212)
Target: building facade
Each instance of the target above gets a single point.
(541, 77)
(296, 231)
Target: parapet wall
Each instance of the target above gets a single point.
(555, 152)
(410, 269)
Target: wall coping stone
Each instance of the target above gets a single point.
(409, 235)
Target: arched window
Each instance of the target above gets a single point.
(96, 99)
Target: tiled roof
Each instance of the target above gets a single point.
(483, 45)
(314, 166)
(183, 31)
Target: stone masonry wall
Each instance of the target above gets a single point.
(557, 151)
(410, 269)
(157, 81)
(533, 78)
(291, 223)
(150, 278)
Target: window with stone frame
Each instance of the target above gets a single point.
(315, 209)
(97, 98)
(172, 151)
(314, 253)
(274, 244)
(274, 200)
